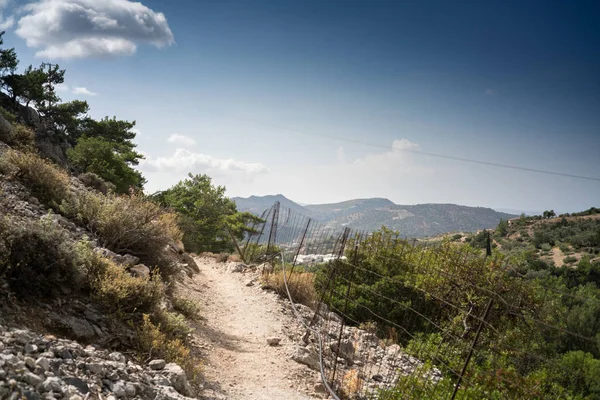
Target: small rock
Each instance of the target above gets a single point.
(43, 363)
(52, 384)
(118, 388)
(77, 383)
(96, 369)
(116, 356)
(273, 341)
(32, 379)
(30, 348)
(236, 267)
(130, 389)
(157, 364)
(250, 282)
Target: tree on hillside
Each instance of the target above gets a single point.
(94, 154)
(502, 228)
(549, 214)
(207, 216)
(8, 61)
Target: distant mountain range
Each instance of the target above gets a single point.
(370, 214)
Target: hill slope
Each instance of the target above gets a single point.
(370, 214)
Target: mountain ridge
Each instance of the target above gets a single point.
(370, 214)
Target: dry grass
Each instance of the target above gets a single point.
(208, 254)
(46, 181)
(301, 286)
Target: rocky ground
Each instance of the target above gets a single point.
(34, 366)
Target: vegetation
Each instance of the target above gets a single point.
(207, 217)
(46, 181)
(541, 333)
(301, 286)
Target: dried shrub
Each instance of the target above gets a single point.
(155, 343)
(117, 290)
(46, 181)
(301, 286)
(128, 225)
(234, 258)
(37, 259)
(93, 181)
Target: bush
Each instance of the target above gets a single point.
(156, 344)
(93, 181)
(37, 259)
(127, 224)
(173, 324)
(300, 284)
(45, 181)
(118, 291)
(186, 307)
(222, 257)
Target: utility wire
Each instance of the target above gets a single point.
(424, 153)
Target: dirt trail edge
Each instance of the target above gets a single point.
(236, 321)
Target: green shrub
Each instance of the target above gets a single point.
(10, 117)
(46, 181)
(173, 324)
(187, 307)
(545, 247)
(93, 181)
(37, 259)
(570, 260)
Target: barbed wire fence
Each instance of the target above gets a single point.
(391, 317)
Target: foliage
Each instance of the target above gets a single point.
(97, 155)
(127, 224)
(46, 181)
(207, 216)
(67, 117)
(37, 258)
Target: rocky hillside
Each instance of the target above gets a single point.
(371, 214)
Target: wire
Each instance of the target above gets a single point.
(424, 153)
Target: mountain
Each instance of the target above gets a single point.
(370, 214)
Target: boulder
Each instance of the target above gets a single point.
(140, 271)
(178, 380)
(307, 356)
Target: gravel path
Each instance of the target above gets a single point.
(237, 320)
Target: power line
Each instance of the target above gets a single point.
(424, 153)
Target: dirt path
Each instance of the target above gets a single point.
(237, 319)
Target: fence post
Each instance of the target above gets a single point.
(473, 344)
(339, 343)
(273, 231)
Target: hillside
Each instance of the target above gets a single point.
(370, 214)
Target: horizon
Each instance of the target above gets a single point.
(417, 102)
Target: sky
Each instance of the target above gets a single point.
(329, 100)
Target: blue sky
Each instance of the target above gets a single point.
(284, 96)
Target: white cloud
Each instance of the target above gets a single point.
(83, 91)
(181, 139)
(8, 22)
(186, 161)
(62, 87)
(404, 144)
(91, 28)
